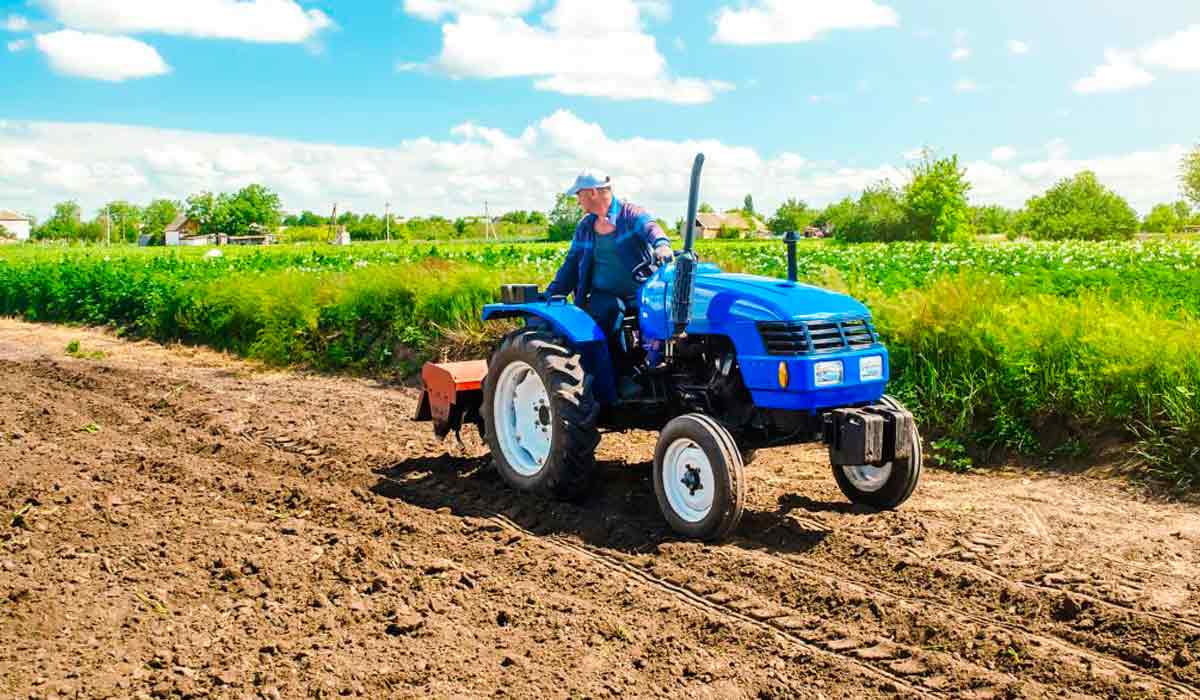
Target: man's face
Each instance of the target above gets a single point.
(595, 200)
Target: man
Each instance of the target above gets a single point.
(610, 242)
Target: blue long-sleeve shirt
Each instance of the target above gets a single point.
(637, 235)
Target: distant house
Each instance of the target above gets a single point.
(182, 228)
(709, 225)
(16, 224)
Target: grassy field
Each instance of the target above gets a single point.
(1039, 349)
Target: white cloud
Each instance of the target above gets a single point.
(656, 10)
(100, 57)
(1180, 51)
(18, 45)
(964, 85)
(1017, 47)
(434, 10)
(1119, 72)
(45, 162)
(1003, 154)
(270, 21)
(962, 53)
(16, 23)
(619, 61)
(924, 99)
(794, 21)
(914, 154)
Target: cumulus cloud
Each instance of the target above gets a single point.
(1017, 47)
(453, 174)
(1003, 154)
(964, 85)
(619, 60)
(18, 45)
(1180, 51)
(434, 10)
(795, 21)
(962, 53)
(100, 57)
(1119, 72)
(268, 21)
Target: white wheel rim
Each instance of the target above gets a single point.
(688, 480)
(866, 478)
(522, 418)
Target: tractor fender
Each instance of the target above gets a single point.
(577, 328)
(568, 320)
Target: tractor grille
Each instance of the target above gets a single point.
(810, 337)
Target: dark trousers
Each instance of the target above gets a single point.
(608, 310)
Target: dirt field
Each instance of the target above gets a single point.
(179, 524)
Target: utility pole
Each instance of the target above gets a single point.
(333, 222)
(387, 221)
(107, 226)
(488, 231)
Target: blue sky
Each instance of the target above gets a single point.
(437, 105)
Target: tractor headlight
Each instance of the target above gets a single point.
(828, 373)
(870, 368)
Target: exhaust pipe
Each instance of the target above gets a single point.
(685, 262)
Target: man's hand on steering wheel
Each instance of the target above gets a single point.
(663, 254)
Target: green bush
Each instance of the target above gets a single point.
(1079, 207)
(935, 201)
(878, 215)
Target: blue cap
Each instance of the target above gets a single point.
(588, 180)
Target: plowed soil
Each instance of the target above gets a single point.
(174, 523)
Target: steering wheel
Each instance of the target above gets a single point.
(643, 271)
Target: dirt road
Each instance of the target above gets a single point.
(179, 524)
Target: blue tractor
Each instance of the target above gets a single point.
(727, 364)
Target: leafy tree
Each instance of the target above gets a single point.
(726, 232)
(1189, 175)
(307, 218)
(792, 215)
(253, 204)
(835, 214)
(1079, 207)
(748, 205)
(935, 200)
(1167, 218)
(63, 224)
(564, 217)
(993, 219)
(536, 218)
(6, 234)
(878, 215)
(202, 208)
(705, 208)
(157, 216)
(126, 220)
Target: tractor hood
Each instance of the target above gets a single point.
(723, 302)
(742, 297)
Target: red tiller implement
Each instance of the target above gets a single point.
(452, 395)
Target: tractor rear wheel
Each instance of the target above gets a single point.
(699, 478)
(540, 416)
(889, 485)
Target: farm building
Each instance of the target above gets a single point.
(16, 224)
(709, 225)
(183, 228)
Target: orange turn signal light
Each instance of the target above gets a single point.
(783, 375)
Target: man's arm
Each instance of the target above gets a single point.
(645, 226)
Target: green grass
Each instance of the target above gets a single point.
(1031, 348)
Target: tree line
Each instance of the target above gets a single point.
(932, 205)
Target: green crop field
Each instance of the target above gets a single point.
(1036, 349)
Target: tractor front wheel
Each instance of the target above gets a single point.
(698, 478)
(540, 416)
(889, 485)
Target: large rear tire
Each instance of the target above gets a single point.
(699, 478)
(883, 487)
(540, 416)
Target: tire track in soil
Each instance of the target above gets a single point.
(1119, 650)
(436, 490)
(676, 592)
(820, 570)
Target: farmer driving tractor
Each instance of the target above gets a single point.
(611, 242)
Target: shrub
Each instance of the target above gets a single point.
(1167, 218)
(564, 218)
(935, 201)
(792, 215)
(1079, 207)
(993, 219)
(1189, 175)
